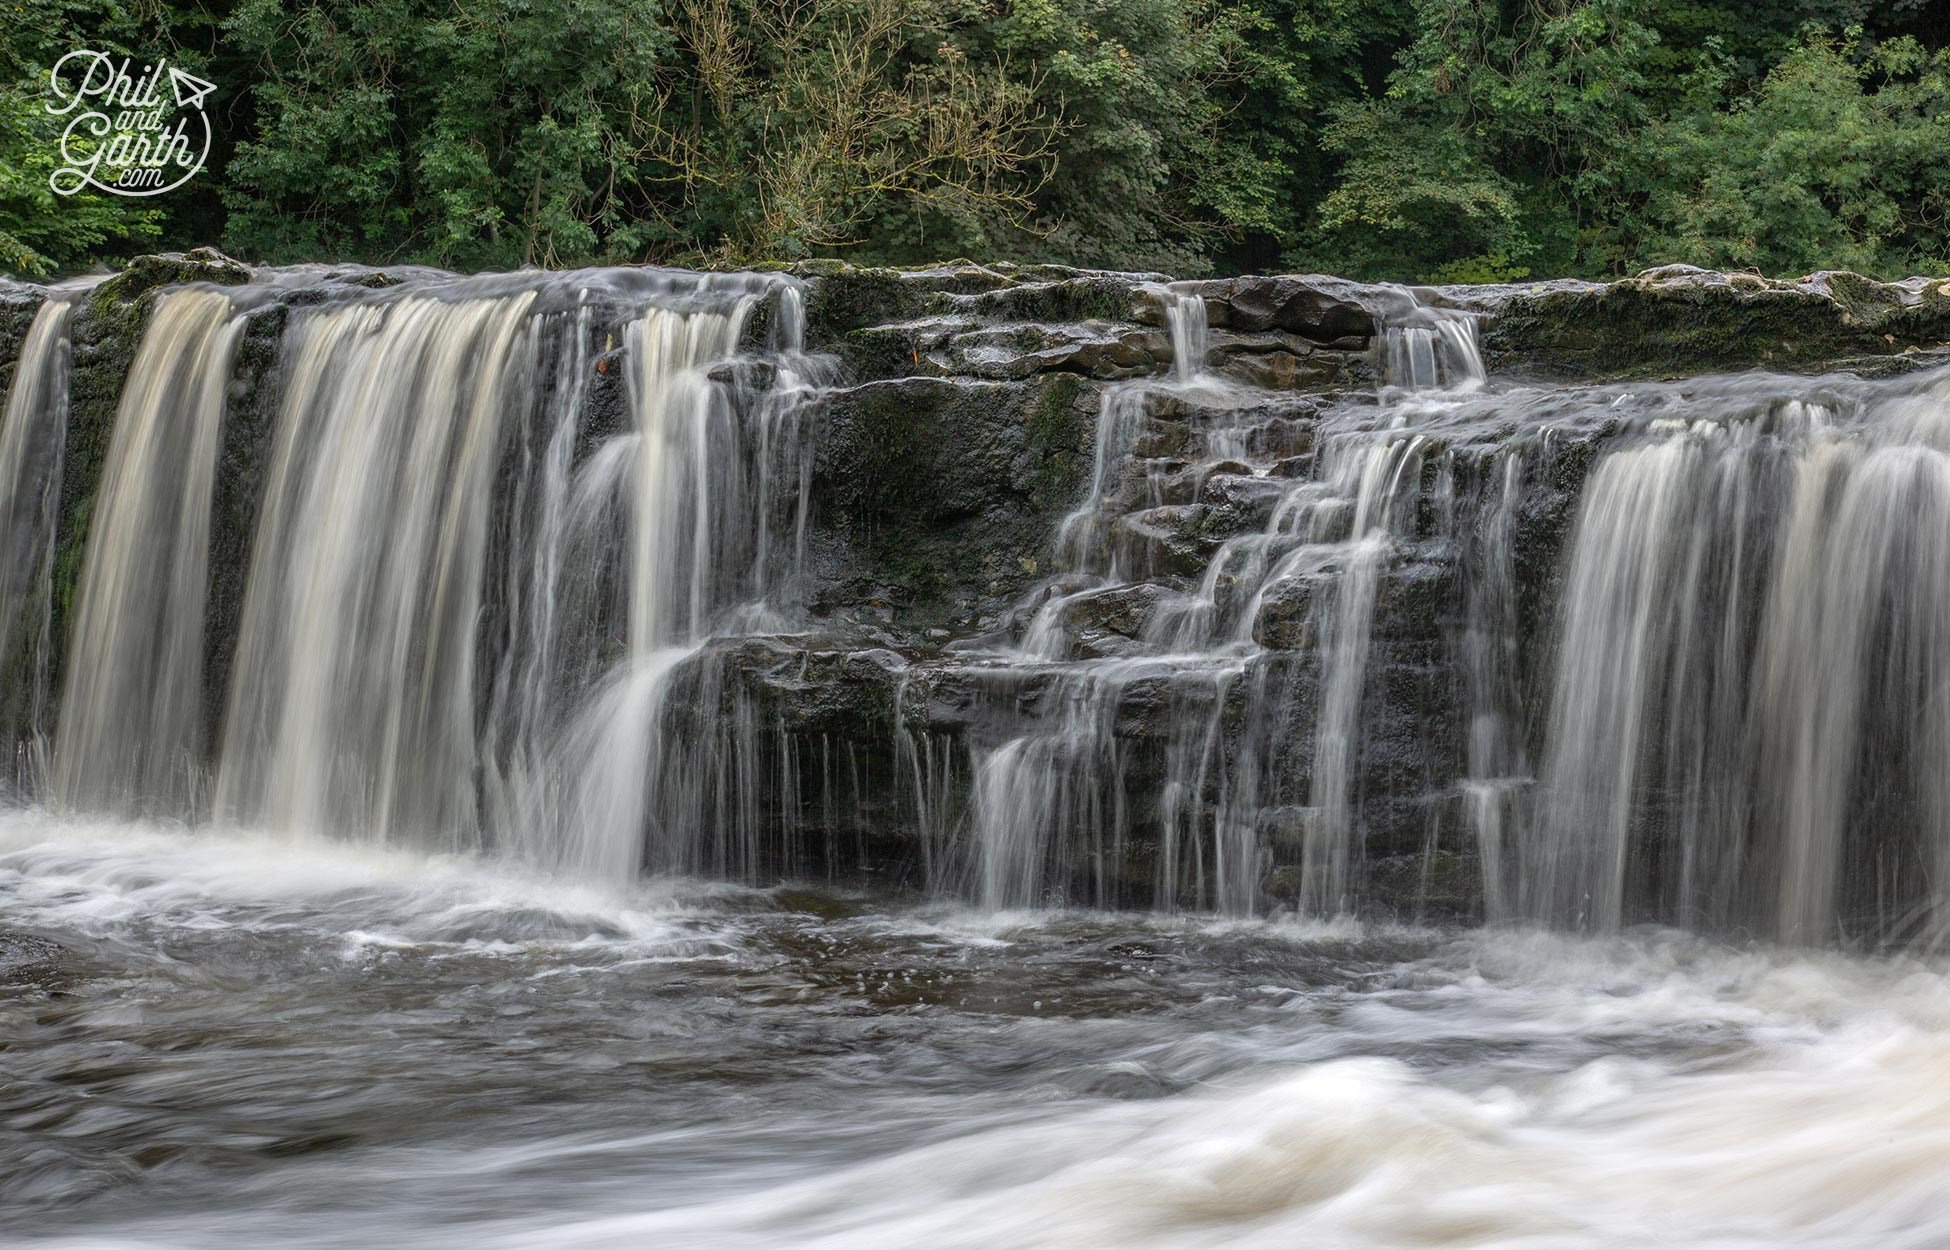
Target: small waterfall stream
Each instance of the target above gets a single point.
(1066, 781)
(33, 436)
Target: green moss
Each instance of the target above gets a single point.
(147, 273)
(844, 299)
(892, 351)
(250, 418)
(68, 556)
(1862, 297)
(1096, 298)
(1056, 436)
(16, 316)
(1646, 329)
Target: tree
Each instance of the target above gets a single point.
(792, 127)
(463, 132)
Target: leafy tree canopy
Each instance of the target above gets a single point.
(1422, 140)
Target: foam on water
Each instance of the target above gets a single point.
(101, 877)
(300, 1042)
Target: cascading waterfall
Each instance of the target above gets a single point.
(1037, 794)
(1437, 351)
(520, 542)
(1747, 725)
(1067, 782)
(131, 727)
(621, 770)
(350, 704)
(440, 642)
(1389, 471)
(33, 436)
(1498, 779)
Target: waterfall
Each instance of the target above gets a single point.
(532, 567)
(1186, 316)
(1067, 781)
(1386, 475)
(1492, 672)
(1747, 721)
(685, 505)
(436, 471)
(440, 641)
(33, 436)
(131, 735)
(1437, 350)
(350, 704)
(1039, 795)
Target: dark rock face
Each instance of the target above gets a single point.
(1318, 308)
(936, 497)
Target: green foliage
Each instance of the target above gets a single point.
(465, 132)
(1570, 137)
(1836, 162)
(1428, 140)
(790, 129)
(41, 231)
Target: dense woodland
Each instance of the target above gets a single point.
(1442, 140)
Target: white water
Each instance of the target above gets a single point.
(442, 642)
(1752, 665)
(350, 705)
(1439, 351)
(130, 735)
(313, 1045)
(33, 437)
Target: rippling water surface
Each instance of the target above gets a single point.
(236, 1042)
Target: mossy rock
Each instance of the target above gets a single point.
(844, 299)
(17, 308)
(1095, 297)
(947, 492)
(147, 273)
(1678, 320)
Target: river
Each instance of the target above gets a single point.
(250, 1041)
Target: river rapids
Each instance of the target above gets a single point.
(248, 1042)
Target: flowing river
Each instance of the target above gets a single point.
(250, 1042)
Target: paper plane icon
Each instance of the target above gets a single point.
(190, 89)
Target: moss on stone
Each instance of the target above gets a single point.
(16, 316)
(944, 493)
(1093, 298)
(147, 273)
(885, 351)
(845, 299)
(1665, 325)
(1056, 438)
